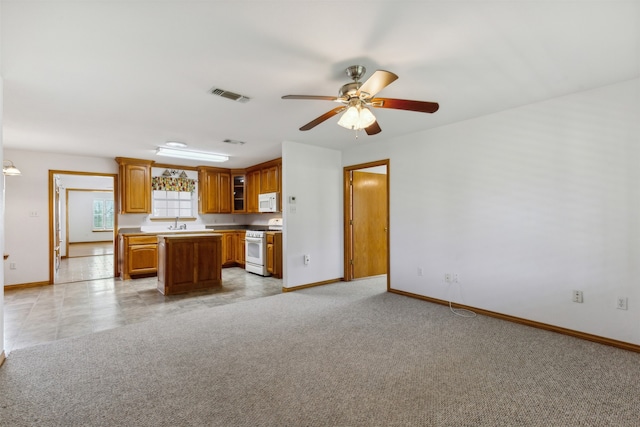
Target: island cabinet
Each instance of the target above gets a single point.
(138, 256)
(214, 188)
(134, 177)
(188, 262)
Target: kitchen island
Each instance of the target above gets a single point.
(188, 262)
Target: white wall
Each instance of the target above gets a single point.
(313, 175)
(80, 211)
(81, 182)
(2, 202)
(525, 205)
(27, 237)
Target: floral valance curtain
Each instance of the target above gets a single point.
(169, 183)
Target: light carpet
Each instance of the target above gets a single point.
(348, 354)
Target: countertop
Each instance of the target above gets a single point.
(209, 228)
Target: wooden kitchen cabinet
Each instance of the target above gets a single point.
(238, 193)
(269, 182)
(134, 176)
(263, 178)
(228, 248)
(274, 253)
(240, 248)
(252, 190)
(189, 262)
(139, 256)
(214, 188)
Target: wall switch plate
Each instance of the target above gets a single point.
(307, 259)
(621, 303)
(577, 296)
(447, 277)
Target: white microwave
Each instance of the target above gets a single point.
(268, 202)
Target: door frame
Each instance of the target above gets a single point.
(347, 205)
(116, 198)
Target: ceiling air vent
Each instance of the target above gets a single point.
(230, 95)
(234, 141)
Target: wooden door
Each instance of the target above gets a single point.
(369, 224)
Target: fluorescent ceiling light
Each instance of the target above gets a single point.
(176, 144)
(190, 154)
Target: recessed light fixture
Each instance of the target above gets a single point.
(176, 144)
(190, 154)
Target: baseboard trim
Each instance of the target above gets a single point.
(312, 285)
(576, 334)
(2, 358)
(26, 285)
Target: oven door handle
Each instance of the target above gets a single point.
(253, 239)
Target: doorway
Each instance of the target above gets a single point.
(366, 220)
(82, 226)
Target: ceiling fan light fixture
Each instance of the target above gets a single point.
(357, 118)
(191, 155)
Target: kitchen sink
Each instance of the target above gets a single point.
(166, 229)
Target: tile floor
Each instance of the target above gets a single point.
(86, 261)
(48, 313)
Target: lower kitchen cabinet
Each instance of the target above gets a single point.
(274, 254)
(240, 249)
(139, 256)
(228, 249)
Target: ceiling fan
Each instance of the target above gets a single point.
(357, 97)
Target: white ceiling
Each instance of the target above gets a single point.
(118, 78)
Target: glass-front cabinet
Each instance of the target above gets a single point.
(238, 191)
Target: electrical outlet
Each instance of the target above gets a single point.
(456, 278)
(419, 271)
(621, 303)
(447, 277)
(577, 296)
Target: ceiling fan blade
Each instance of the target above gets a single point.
(317, 97)
(373, 128)
(378, 81)
(322, 118)
(405, 104)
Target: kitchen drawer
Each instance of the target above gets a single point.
(270, 238)
(142, 240)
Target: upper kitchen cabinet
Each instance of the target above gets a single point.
(269, 179)
(214, 188)
(263, 178)
(135, 185)
(238, 192)
(252, 190)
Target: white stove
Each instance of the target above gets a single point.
(256, 248)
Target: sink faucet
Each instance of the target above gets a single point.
(175, 226)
